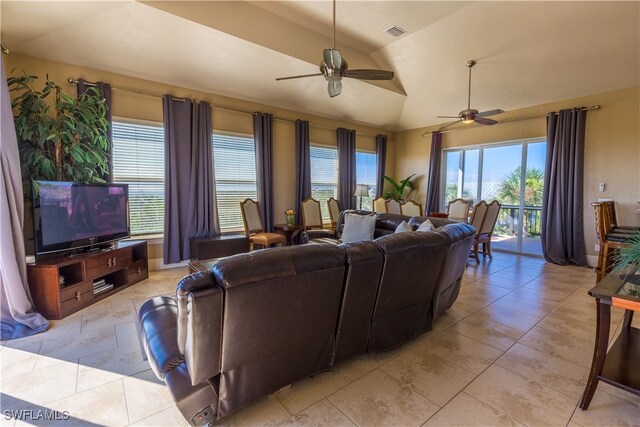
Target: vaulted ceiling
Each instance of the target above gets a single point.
(528, 53)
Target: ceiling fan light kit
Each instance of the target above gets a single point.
(334, 67)
(471, 115)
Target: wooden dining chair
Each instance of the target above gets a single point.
(312, 223)
(608, 240)
(334, 212)
(459, 209)
(477, 217)
(484, 232)
(254, 227)
(392, 207)
(411, 208)
(379, 205)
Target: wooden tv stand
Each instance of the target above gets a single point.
(121, 266)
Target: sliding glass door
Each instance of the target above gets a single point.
(513, 174)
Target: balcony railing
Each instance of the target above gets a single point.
(507, 223)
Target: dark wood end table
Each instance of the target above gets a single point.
(290, 231)
(619, 367)
(218, 246)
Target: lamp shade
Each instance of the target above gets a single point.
(362, 190)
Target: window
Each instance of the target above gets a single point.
(138, 160)
(513, 174)
(235, 169)
(366, 173)
(324, 176)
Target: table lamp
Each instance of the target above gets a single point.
(362, 190)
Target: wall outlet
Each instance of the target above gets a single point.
(602, 186)
(597, 248)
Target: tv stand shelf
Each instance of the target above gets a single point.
(61, 285)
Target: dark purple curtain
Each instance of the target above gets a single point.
(303, 164)
(562, 210)
(189, 209)
(346, 168)
(381, 159)
(105, 89)
(262, 134)
(432, 203)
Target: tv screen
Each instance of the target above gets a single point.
(68, 215)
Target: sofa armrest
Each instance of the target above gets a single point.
(157, 329)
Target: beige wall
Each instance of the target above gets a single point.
(612, 149)
(149, 107)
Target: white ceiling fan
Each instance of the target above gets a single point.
(334, 67)
(471, 115)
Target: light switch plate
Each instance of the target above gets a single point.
(602, 186)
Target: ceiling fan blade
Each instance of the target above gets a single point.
(490, 113)
(449, 124)
(447, 117)
(485, 121)
(298, 77)
(332, 58)
(334, 88)
(368, 74)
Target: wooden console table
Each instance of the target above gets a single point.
(61, 285)
(620, 366)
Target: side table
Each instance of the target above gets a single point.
(218, 246)
(290, 231)
(620, 366)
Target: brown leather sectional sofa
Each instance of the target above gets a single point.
(260, 321)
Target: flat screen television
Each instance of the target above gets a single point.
(69, 215)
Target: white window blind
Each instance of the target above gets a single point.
(324, 176)
(366, 173)
(235, 169)
(138, 160)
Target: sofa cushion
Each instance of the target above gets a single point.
(403, 227)
(426, 226)
(358, 228)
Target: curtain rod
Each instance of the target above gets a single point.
(222, 107)
(593, 107)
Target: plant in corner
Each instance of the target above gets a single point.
(60, 138)
(397, 191)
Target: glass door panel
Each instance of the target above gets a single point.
(501, 179)
(470, 175)
(532, 203)
(452, 177)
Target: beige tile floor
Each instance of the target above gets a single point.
(514, 349)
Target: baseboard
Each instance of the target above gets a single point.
(592, 260)
(158, 264)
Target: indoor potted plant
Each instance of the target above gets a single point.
(628, 260)
(397, 191)
(60, 138)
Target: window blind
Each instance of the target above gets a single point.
(234, 159)
(324, 176)
(138, 160)
(366, 173)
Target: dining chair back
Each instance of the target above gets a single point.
(379, 205)
(334, 211)
(489, 223)
(254, 227)
(479, 212)
(411, 208)
(311, 214)
(458, 208)
(251, 217)
(392, 207)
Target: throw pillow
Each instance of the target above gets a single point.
(426, 226)
(358, 228)
(403, 227)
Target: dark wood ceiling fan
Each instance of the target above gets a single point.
(334, 67)
(471, 115)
